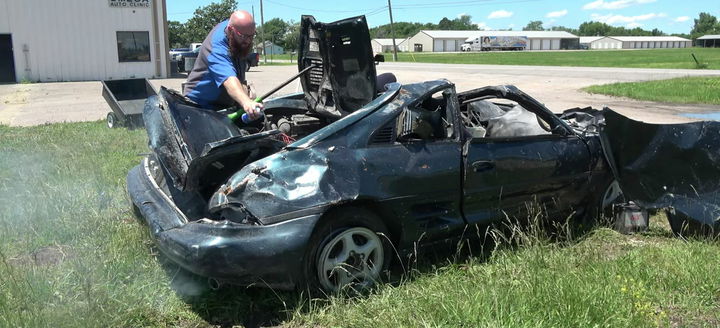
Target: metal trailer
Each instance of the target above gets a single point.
(126, 98)
(491, 42)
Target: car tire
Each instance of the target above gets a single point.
(349, 250)
(112, 121)
(600, 210)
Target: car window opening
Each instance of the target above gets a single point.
(501, 118)
(427, 120)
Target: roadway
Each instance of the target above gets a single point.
(557, 87)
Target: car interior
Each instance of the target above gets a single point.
(500, 118)
(485, 117)
(426, 120)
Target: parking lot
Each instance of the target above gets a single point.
(557, 87)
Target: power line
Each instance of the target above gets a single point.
(324, 10)
(455, 4)
(482, 2)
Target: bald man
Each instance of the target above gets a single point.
(218, 78)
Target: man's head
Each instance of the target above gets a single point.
(240, 32)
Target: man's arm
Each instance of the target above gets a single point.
(238, 93)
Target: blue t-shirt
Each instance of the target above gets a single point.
(213, 66)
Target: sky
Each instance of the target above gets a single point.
(669, 16)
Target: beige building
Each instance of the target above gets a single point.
(76, 40)
(439, 41)
(448, 41)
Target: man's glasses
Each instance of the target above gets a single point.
(242, 37)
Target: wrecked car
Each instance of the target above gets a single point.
(336, 181)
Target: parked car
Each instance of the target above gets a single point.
(251, 60)
(370, 175)
(466, 47)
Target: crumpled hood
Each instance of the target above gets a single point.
(666, 165)
(290, 181)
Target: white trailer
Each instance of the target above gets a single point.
(492, 42)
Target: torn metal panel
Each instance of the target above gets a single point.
(344, 79)
(667, 165)
(200, 148)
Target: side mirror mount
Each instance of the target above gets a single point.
(379, 58)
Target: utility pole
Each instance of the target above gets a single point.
(392, 31)
(262, 33)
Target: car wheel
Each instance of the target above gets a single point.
(600, 209)
(112, 121)
(350, 249)
(612, 195)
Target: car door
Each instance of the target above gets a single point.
(418, 174)
(521, 175)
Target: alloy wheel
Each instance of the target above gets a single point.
(353, 257)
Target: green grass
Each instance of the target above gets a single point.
(652, 58)
(687, 90)
(73, 255)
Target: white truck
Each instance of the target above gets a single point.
(492, 42)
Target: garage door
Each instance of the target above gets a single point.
(545, 44)
(450, 45)
(555, 44)
(535, 44)
(438, 46)
(7, 61)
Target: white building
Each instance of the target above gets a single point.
(75, 40)
(649, 42)
(708, 41)
(637, 42)
(444, 41)
(385, 45)
(602, 42)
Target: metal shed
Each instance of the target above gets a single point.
(708, 41)
(652, 42)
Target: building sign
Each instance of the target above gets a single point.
(130, 3)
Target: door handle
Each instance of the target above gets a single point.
(480, 166)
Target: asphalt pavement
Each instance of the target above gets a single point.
(557, 87)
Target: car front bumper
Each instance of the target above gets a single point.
(267, 255)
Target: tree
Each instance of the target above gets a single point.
(402, 30)
(463, 23)
(274, 30)
(176, 31)
(292, 37)
(445, 24)
(705, 24)
(534, 26)
(566, 29)
(594, 29)
(205, 18)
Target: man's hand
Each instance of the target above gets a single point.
(239, 93)
(253, 109)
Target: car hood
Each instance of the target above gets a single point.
(666, 165)
(344, 77)
(191, 142)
